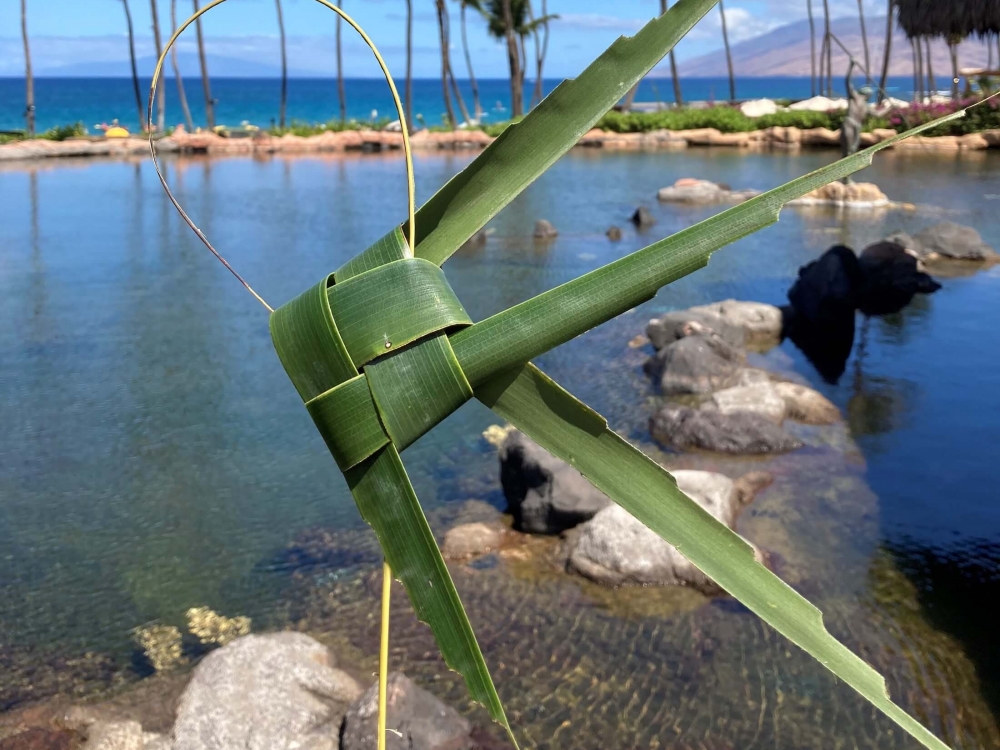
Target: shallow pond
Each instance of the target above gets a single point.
(154, 456)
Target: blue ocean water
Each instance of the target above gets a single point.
(98, 100)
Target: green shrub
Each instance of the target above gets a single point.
(62, 132)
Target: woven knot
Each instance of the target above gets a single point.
(374, 364)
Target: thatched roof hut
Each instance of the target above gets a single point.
(944, 18)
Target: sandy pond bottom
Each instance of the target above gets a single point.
(155, 457)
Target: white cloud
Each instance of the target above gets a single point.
(598, 22)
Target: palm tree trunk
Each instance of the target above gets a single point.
(812, 48)
(341, 92)
(539, 92)
(916, 73)
(450, 111)
(135, 71)
(864, 38)
(920, 67)
(729, 56)
(953, 49)
(161, 91)
(538, 54)
(675, 79)
(29, 78)
(886, 53)
(206, 84)
(829, 50)
(282, 111)
(514, 61)
(181, 95)
(409, 64)
(476, 105)
(931, 82)
(451, 73)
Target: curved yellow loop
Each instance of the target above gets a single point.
(407, 152)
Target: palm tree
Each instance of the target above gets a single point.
(181, 95)
(827, 46)
(542, 50)
(953, 41)
(812, 48)
(161, 91)
(443, 35)
(864, 37)
(341, 92)
(476, 5)
(206, 84)
(444, 20)
(135, 72)
(931, 82)
(29, 78)
(409, 63)
(284, 66)
(507, 20)
(729, 56)
(887, 52)
(678, 99)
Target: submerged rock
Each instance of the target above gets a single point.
(264, 692)
(421, 720)
(544, 230)
(614, 548)
(696, 365)
(614, 233)
(544, 494)
(947, 241)
(115, 735)
(806, 405)
(742, 432)
(758, 398)
(470, 540)
(642, 218)
(42, 738)
(689, 190)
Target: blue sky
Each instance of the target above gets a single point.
(68, 31)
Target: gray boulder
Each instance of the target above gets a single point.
(544, 230)
(615, 549)
(760, 321)
(265, 692)
(696, 364)
(758, 398)
(544, 494)
(679, 324)
(700, 192)
(741, 432)
(947, 241)
(422, 721)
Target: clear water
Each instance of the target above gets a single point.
(95, 100)
(154, 456)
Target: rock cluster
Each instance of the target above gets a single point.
(857, 195)
(700, 353)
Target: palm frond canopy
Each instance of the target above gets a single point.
(949, 18)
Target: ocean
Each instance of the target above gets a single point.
(92, 101)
